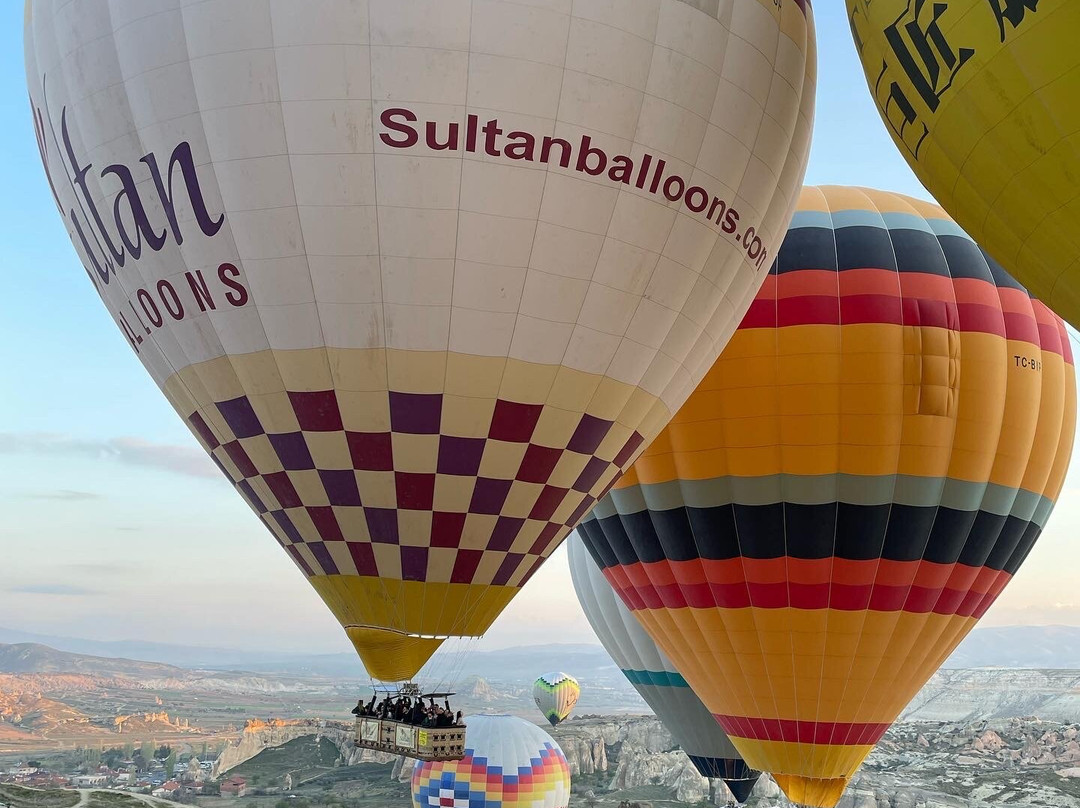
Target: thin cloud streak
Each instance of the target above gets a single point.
(54, 589)
(129, 451)
(65, 495)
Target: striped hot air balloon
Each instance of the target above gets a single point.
(422, 276)
(555, 695)
(653, 676)
(508, 763)
(851, 486)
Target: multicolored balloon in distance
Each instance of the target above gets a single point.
(980, 98)
(555, 695)
(850, 488)
(651, 673)
(423, 277)
(508, 763)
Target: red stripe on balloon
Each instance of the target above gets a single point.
(858, 296)
(791, 731)
(919, 587)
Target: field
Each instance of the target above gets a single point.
(19, 797)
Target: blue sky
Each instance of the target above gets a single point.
(114, 526)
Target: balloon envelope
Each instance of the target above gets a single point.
(422, 276)
(851, 486)
(555, 695)
(508, 763)
(653, 675)
(980, 98)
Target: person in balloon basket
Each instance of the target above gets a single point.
(362, 709)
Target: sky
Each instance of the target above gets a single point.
(114, 524)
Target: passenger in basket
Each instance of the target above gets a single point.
(417, 715)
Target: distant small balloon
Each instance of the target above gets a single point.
(555, 695)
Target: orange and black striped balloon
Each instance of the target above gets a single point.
(851, 486)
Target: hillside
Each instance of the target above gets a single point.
(34, 658)
(1049, 647)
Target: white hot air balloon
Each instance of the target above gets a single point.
(423, 276)
(656, 678)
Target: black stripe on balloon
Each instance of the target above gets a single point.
(807, 248)
(919, 251)
(899, 250)
(1001, 277)
(860, 247)
(966, 260)
(855, 532)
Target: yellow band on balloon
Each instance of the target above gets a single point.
(860, 666)
(463, 609)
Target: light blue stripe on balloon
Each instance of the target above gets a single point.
(857, 218)
(906, 221)
(811, 218)
(946, 227)
(656, 678)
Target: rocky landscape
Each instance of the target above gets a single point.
(1020, 762)
(982, 738)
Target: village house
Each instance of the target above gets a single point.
(234, 786)
(166, 789)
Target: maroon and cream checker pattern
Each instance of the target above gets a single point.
(413, 502)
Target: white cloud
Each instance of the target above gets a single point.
(129, 451)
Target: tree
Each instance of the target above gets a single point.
(163, 751)
(147, 752)
(170, 763)
(111, 757)
(33, 764)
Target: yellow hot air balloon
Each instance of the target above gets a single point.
(850, 488)
(980, 98)
(423, 276)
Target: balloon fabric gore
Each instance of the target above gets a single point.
(421, 365)
(851, 486)
(980, 98)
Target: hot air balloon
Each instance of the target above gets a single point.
(980, 98)
(653, 676)
(850, 488)
(555, 695)
(422, 276)
(508, 763)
